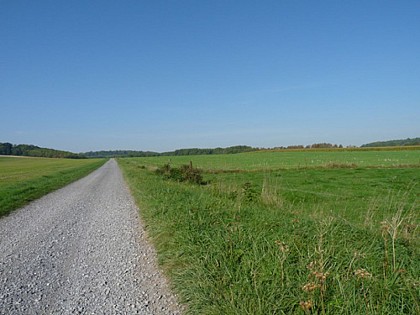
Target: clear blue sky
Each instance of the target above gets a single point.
(162, 75)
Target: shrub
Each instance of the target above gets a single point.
(185, 173)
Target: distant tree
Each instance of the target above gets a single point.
(197, 151)
(32, 150)
(392, 143)
(6, 148)
(118, 153)
(322, 146)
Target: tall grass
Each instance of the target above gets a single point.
(287, 242)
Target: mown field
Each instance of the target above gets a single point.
(287, 232)
(25, 179)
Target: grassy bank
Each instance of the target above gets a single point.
(25, 179)
(268, 236)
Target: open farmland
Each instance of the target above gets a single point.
(272, 160)
(25, 179)
(287, 232)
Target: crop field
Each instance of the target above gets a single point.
(286, 232)
(25, 179)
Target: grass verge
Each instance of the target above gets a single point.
(23, 180)
(293, 241)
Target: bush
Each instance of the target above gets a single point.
(185, 173)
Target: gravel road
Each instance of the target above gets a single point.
(81, 250)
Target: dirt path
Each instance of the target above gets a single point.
(81, 250)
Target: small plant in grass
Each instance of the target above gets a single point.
(306, 306)
(249, 192)
(390, 231)
(316, 287)
(269, 193)
(283, 249)
(356, 256)
(363, 276)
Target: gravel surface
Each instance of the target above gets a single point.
(81, 250)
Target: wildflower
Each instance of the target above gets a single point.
(362, 274)
(358, 255)
(311, 265)
(385, 227)
(309, 287)
(321, 276)
(306, 305)
(282, 246)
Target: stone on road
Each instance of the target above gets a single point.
(81, 250)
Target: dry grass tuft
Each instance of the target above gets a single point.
(270, 193)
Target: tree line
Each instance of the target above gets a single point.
(191, 151)
(244, 148)
(118, 153)
(197, 151)
(32, 150)
(7, 148)
(393, 143)
(311, 146)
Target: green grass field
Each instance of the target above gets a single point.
(288, 232)
(266, 160)
(25, 179)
